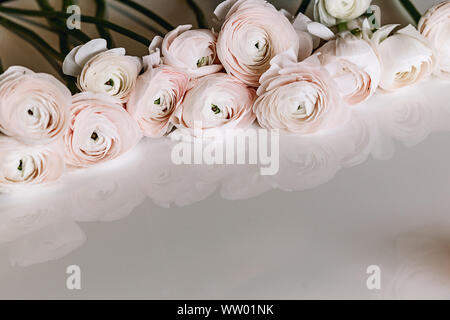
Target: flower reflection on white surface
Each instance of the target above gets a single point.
(423, 268)
(107, 192)
(166, 183)
(50, 243)
(41, 226)
(306, 162)
(20, 216)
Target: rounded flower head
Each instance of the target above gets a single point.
(405, 57)
(332, 12)
(101, 70)
(23, 164)
(193, 51)
(217, 101)
(157, 94)
(252, 34)
(34, 107)
(297, 97)
(354, 66)
(435, 26)
(100, 130)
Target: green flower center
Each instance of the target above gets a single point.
(110, 83)
(215, 109)
(157, 101)
(20, 167)
(202, 62)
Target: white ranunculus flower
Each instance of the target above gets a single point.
(100, 70)
(354, 66)
(405, 57)
(435, 26)
(332, 12)
(22, 164)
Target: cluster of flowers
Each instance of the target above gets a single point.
(287, 73)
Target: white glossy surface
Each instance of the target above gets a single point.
(226, 231)
(141, 227)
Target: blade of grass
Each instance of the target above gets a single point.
(100, 12)
(198, 13)
(136, 6)
(87, 19)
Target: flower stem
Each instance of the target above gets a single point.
(55, 23)
(50, 54)
(76, 34)
(303, 6)
(100, 12)
(87, 19)
(136, 6)
(412, 10)
(198, 13)
(63, 37)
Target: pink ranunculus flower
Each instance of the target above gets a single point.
(435, 26)
(354, 66)
(34, 107)
(253, 33)
(217, 101)
(157, 94)
(24, 164)
(100, 130)
(193, 51)
(297, 97)
(101, 70)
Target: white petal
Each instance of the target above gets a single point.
(321, 31)
(88, 50)
(70, 67)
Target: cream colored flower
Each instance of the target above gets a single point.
(354, 66)
(435, 26)
(405, 57)
(103, 71)
(332, 12)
